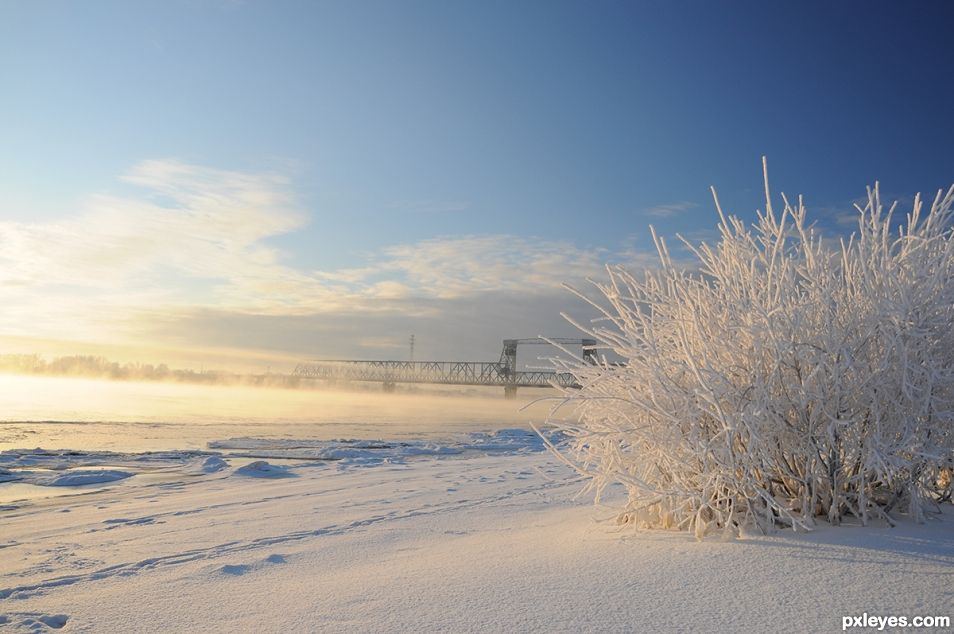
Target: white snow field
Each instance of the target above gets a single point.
(478, 533)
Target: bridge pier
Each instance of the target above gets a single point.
(388, 387)
(510, 391)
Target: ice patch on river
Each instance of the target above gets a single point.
(68, 468)
(83, 477)
(369, 452)
(262, 469)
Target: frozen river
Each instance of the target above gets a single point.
(60, 413)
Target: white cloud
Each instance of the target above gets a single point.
(207, 224)
(845, 216)
(194, 242)
(670, 209)
(453, 267)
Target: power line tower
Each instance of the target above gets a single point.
(412, 348)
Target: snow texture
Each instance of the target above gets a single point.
(211, 464)
(82, 478)
(474, 542)
(262, 469)
(70, 468)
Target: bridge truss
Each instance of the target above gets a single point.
(500, 374)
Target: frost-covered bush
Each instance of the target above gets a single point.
(780, 379)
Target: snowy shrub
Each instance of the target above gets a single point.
(780, 379)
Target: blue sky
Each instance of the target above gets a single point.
(365, 160)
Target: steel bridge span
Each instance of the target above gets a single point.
(502, 373)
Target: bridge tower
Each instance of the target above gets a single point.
(508, 357)
(508, 367)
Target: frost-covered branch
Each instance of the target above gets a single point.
(782, 380)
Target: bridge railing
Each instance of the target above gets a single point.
(446, 372)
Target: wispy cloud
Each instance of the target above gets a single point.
(844, 216)
(194, 238)
(194, 243)
(670, 209)
(456, 266)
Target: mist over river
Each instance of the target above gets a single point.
(91, 414)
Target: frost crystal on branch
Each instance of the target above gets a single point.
(780, 380)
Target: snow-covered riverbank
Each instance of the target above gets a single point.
(478, 535)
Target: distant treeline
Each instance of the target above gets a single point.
(101, 368)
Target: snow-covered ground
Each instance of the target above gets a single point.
(480, 532)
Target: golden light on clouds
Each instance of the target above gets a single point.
(158, 268)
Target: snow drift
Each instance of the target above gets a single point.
(783, 379)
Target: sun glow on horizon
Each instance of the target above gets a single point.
(85, 413)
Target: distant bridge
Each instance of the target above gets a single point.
(502, 373)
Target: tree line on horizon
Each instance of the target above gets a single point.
(92, 366)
